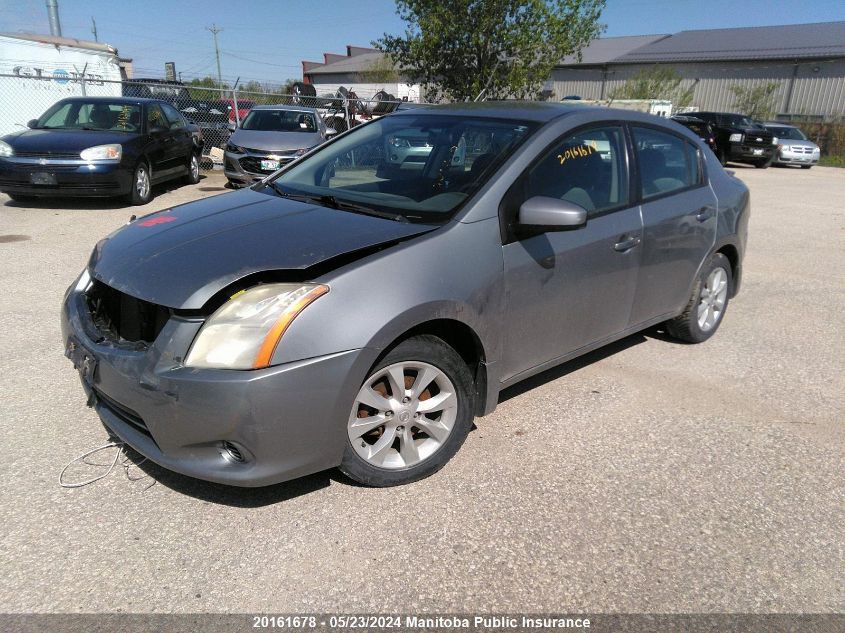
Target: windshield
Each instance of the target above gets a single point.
(737, 120)
(788, 133)
(80, 114)
(419, 167)
(280, 121)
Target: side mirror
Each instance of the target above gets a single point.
(157, 129)
(32, 124)
(551, 214)
(330, 132)
(232, 127)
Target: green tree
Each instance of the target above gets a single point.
(757, 102)
(199, 89)
(657, 82)
(381, 70)
(457, 48)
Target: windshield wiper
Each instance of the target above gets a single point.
(332, 202)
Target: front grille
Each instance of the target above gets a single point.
(24, 181)
(765, 139)
(123, 413)
(63, 155)
(121, 317)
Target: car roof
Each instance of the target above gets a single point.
(281, 106)
(540, 111)
(127, 100)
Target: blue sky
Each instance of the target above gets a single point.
(266, 39)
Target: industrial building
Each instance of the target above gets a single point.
(806, 61)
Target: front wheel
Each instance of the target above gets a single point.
(142, 189)
(762, 164)
(806, 166)
(410, 416)
(706, 307)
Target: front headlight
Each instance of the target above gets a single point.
(102, 152)
(774, 140)
(244, 332)
(6, 149)
(735, 138)
(302, 151)
(231, 147)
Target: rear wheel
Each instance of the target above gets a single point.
(142, 189)
(723, 157)
(193, 176)
(806, 166)
(410, 416)
(707, 304)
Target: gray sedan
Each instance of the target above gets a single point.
(270, 137)
(340, 314)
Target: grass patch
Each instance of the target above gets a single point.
(832, 161)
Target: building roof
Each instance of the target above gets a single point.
(62, 41)
(605, 49)
(791, 41)
(355, 64)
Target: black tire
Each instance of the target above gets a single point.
(136, 197)
(17, 197)
(193, 175)
(685, 326)
(806, 166)
(762, 164)
(723, 157)
(433, 351)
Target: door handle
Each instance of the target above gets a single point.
(704, 214)
(626, 244)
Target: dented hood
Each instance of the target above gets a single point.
(181, 257)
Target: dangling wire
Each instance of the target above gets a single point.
(125, 464)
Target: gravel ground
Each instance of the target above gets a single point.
(646, 477)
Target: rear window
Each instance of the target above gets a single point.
(667, 162)
(280, 121)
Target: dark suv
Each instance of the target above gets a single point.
(739, 139)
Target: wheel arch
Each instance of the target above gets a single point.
(731, 251)
(464, 340)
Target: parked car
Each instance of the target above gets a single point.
(794, 148)
(99, 146)
(269, 137)
(739, 139)
(700, 128)
(329, 317)
(244, 106)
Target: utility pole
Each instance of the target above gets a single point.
(214, 31)
(94, 28)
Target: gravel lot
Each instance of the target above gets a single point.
(647, 477)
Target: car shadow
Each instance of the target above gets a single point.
(231, 495)
(574, 365)
(277, 493)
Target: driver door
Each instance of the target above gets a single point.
(571, 288)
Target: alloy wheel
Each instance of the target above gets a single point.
(712, 302)
(142, 182)
(403, 414)
(195, 167)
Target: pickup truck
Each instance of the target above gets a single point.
(739, 139)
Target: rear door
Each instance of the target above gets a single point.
(679, 220)
(183, 142)
(159, 146)
(569, 289)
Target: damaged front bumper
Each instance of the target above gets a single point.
(243, 428)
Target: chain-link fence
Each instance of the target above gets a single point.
(212, 113)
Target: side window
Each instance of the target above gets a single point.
(665, 162)
(586, 168)
(155, 118)
(173, 116)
